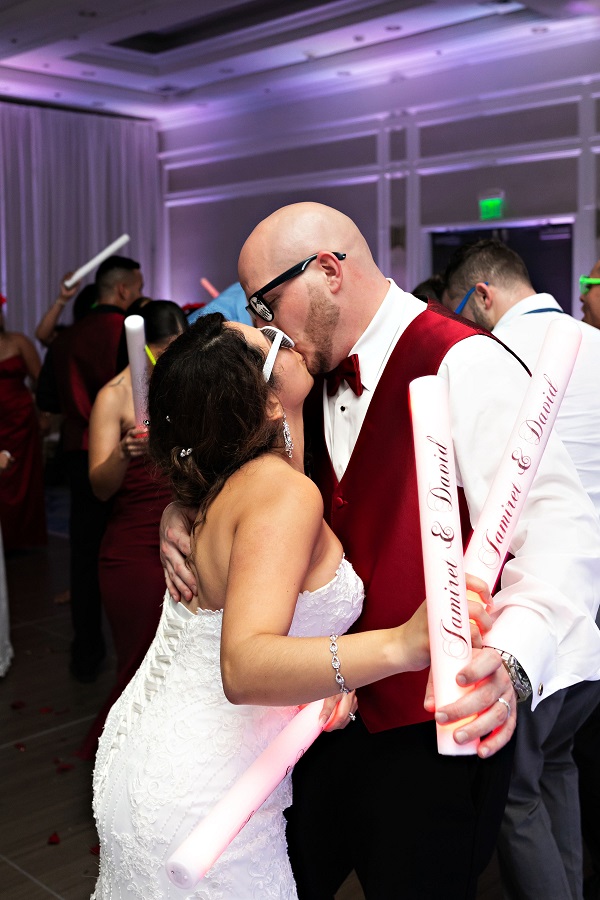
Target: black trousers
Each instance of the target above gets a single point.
(586, 753)
(412, 823)
(88, 519)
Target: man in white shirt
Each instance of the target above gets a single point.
(539, 847)
(377, 797)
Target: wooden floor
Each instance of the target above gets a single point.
(48, 843)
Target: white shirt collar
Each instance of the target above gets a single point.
(397, 311)
(536, 301)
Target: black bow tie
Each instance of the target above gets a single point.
(349, 371)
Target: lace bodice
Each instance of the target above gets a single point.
(173, 744)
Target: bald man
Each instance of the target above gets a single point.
(376, 796)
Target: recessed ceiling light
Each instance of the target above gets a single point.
(87, 13)
(226, 70)
(359, 38)
(88, 73)
(393, 27)
(539, 29)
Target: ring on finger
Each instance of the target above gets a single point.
(507, 705)
(352, 717)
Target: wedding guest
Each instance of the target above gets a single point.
(22, 508)
(539, 847)
(84, 359)
(131, 578)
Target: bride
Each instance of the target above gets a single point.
(228, 669)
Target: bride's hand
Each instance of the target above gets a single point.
(337, 709)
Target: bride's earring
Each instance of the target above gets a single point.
(287, 437)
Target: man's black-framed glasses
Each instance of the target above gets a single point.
(257, 304)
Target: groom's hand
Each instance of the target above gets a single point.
(175, 527)
(336, 711)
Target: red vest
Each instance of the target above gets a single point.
(374, 508)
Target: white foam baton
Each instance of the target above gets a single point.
(441, 539)
(489, 543)
(138, 366)
(87, 267)
(194, 857)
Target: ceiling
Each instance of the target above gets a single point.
(186, 59)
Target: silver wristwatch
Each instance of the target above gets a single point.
(517, 675)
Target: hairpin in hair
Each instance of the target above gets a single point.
(146, 422)
(183, 452)
(168, 418)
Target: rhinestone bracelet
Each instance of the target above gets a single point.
(335, 662)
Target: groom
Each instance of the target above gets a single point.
(376, 796)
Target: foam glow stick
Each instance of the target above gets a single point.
(489, 543)
(82, 271)
(441, 539)
(194, 857)
(209, 287)
(136, 350)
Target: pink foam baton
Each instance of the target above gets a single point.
(441, 539)
(200, 850)
(210, 288)
(96, 260)
(138, 365)
(489, 543)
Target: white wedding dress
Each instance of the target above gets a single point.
(173, 745)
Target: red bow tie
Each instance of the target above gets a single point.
(349, 371)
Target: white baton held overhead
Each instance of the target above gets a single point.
(82, 271)
(138, 366)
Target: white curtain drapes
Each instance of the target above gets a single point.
(71, 183)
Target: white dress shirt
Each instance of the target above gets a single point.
(578, 420)
(544, 613)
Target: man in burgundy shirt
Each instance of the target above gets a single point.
(82, 359)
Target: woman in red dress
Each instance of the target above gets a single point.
(131, 578)
(22, 511)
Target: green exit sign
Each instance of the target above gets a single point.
(491, 208)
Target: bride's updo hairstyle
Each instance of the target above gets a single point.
(207, 405)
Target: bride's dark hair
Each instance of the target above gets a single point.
(208, 396)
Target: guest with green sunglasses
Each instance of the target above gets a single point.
(589, 286)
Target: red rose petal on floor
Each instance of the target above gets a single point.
(95, 850)
(18, 704)
(65, 767)
(54, 838)
(20, 747)
(46, 709)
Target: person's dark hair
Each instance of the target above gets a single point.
(432, 287)
(113, 270)
(486, 260)
(162, 320)
(208, 395)
(84, 301)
